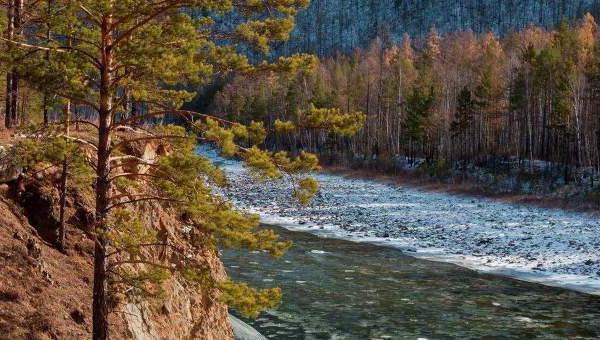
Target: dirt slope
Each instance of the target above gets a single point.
(46, 294)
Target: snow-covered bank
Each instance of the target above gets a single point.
(553, 247)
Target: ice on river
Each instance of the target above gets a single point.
(549, 246)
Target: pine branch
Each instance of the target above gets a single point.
(182, 113)
(91, 15)
(147, 138)
(143, 199)
(85, 122)
(146, 245)
(78, 100)
(133, 174)
(131, 157)
(79, 140)
(149, 263)
(62, 49)
(126, 34)
(135, 130)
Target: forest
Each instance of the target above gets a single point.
(331, 26)
(160, 158)
(528, 100)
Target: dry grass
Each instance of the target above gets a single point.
(40, 297)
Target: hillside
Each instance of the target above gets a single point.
(38, 282)
(329, 26)
(47, 294)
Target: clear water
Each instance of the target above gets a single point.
(335, 289)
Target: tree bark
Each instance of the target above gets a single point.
(17, 30)
(10, 33)
(14, 116)
(100, 304)
(47, 57)
(64, 181)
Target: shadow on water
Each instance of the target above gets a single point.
(335, 289)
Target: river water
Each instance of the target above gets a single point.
(336, 289)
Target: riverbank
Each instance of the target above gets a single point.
(555, 200)
(510, 260)
(550, 246)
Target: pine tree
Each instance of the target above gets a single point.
(465, 109)
(418, 108)
(104, 52)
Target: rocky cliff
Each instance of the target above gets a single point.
(329, 26)
(46, 294)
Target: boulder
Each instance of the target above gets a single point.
(9, 170)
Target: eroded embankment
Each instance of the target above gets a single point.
(47, 294)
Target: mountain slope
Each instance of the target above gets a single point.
(329, 26)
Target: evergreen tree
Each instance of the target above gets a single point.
(102, 53)
(418, 108)
(465, 109)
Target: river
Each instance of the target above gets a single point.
(336, 289)
(360, 267)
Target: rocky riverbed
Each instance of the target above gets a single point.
(553, 247)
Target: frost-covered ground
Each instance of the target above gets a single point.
(553, 247)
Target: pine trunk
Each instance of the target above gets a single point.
(10, 33)
(64, 182)
(17, 30)
(47, 57)
(100, 304)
